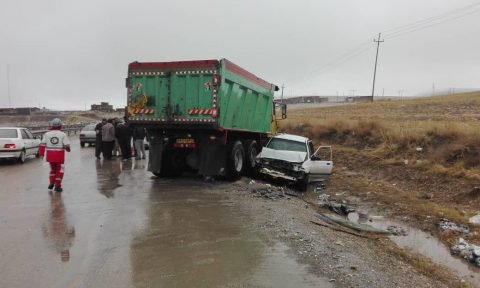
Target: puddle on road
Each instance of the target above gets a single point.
(427, 245)
(197, 239)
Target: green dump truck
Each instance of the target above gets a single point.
(210, 116)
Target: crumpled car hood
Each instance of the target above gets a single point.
(290, 156)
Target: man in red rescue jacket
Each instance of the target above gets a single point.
(53, 147)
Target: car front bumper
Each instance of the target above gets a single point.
(87, 140)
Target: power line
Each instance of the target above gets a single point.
(357, 50)
(432, 21)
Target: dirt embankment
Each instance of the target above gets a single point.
(347, 260)
(417, 160)
(43, 119)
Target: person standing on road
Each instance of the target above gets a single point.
(116, 145)
(123, 132)
(98, 138)
(53, 147)
(108, 139)
(138, 138)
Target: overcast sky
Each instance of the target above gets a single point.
(69, 54)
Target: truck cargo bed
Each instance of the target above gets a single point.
(209, 94)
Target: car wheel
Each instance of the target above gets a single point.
(21, 158)
(303, 184)
(82, 144)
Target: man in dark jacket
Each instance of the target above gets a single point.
(123, 132)
(138, 138)
(108, 139)
(98, 138)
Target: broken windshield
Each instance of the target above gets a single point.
(287, 145)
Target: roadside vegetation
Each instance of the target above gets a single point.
(421, 157)
(439, 134)
(416, 160)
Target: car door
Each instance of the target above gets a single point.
(27, 142)
(320, 164)
(35, 142)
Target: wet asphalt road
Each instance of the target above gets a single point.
(117, 226)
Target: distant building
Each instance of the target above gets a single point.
(121, 110)
(103, 107)
(359, 99)
(305, 99)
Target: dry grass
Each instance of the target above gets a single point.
(443, 131)
(417, 160)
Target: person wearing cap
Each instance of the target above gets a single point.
(53, 147)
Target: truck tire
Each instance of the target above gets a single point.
(252, 148)
(174, 162)
(235, 161)
(82, 144)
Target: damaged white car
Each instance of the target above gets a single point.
(293, 158)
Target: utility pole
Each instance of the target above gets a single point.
(376, 59)
(433, 89)
(8, 87)
(283, 87)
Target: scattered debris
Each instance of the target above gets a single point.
(475, 219)
(362, 215)
(339, 208)
(208, 179)
(340, 229)
(468, 251)
(271, 192)
(446, 225)
(319, 187)
(397, 231)
(354, 226)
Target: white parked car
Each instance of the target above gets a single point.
(88, 135)
(293, 158)
(18, 143)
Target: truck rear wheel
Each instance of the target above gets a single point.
(252, 149)
(235, 161)
(173, 164)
